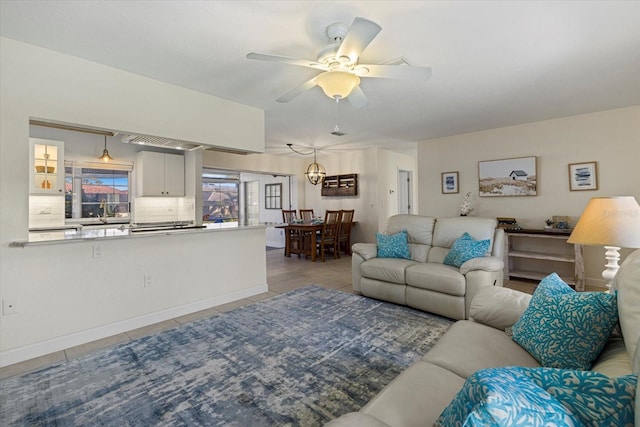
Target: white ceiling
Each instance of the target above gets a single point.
(494, 63)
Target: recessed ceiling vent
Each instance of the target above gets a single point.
(156, 141)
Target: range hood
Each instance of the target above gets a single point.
(156, 141)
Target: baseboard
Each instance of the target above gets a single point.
(53, 345)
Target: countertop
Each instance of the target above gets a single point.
(118, 232)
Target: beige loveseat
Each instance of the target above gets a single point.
(424, 282)
(419, 395)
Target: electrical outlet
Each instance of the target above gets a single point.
(97, 251)
(9, 306)
(148, 280)
(45, 210)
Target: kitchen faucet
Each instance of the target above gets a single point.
(103, 206)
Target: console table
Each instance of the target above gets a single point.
(533, 254)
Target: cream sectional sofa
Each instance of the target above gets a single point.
(419, 395)
(424, 282)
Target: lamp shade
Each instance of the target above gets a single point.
(609, 221)
(337, 83)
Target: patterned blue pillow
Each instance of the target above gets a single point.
(464, 249)
(393, 245)
(562, 328)
(531, 397)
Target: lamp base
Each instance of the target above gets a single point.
(612, 255)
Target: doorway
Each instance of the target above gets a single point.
(405, 195)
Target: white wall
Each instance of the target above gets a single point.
(612, 138)
(65, 296)
(377, 173)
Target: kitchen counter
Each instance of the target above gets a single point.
(119, 232)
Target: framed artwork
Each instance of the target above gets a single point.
(583, 176)
(450, 183)
(508, 177)
(273, 196)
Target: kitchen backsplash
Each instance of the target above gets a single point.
(46, 211)
(160, 209)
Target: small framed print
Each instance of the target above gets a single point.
(583, 176)
(450, 183)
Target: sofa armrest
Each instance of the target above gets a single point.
(485, 263)
(356, 419)
(498, 307)
(365, 250)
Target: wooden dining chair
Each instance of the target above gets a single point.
(306, 214)
(328, 238)
(288, 216)
(296, 240)
(344, 234)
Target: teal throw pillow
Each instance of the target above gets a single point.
(393, 245)
(466, 248)
(562, 328)
(518, 396)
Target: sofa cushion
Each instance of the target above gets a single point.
(468, 346)
(562, 328)
(627, 283)
(498, 307)
(386, 269)
(419, 228)
(393, 245)
(447, 230)
(436, 277)
(416, 397)
(464, 249)
(516, 396)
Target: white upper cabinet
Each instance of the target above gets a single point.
(46, 166)
(159, 174)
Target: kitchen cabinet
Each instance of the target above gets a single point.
(46, 166)
(533, 254)
(159, 174)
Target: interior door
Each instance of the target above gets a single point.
(404, 192)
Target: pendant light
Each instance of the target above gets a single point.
(315, 171)
(105, 153)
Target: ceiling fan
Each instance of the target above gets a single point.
(341, 71)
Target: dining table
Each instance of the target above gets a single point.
(308, 232)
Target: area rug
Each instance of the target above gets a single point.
(297, 359)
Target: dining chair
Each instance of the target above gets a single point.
(288, 216)
(328, 237)
(296, 240)
(344, 234)
(306, 214)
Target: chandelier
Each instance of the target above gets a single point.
(315, 171)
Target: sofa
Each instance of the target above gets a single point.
(419, 395)
(424, 281)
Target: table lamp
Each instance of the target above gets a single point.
(612, 222)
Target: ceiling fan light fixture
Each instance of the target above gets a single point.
(337, 84)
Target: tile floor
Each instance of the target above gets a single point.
(283, 275)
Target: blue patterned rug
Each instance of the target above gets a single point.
(297, 359)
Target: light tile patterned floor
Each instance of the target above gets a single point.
(283, 275)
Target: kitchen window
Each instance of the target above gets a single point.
(220, 202)
(97, 192)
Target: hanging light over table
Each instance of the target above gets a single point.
(315, 171)
(105, 153)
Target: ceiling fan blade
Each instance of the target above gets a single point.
(406, 72)
(298, 90)
(361, 33)
(357, 98)
(287, 60)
